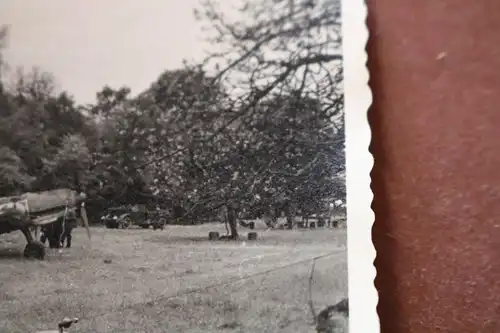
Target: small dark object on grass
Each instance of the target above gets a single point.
(66, 323)
(213, 235)
(330, 318)
(108, 261)
(312, 225)
(252, 236)
(231, 325)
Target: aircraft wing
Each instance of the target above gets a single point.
(43, 207)
(48, 218)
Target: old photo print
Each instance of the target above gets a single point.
(185, 166)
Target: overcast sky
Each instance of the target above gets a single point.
(87, 44)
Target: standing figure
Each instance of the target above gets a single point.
(59, 232)
(70, 223)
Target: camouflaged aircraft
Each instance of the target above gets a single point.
(30, 211)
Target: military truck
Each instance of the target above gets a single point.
(117, 218)
(125, 216)
(157, 218)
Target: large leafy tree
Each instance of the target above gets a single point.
(281, 62)
(279, 158)
(35, 120)
(145, 139)
(265, 130)
(14, 177)
(184, 106)
(120, 136)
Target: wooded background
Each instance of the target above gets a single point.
(435, 76)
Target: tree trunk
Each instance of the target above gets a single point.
(231, 219)
(289, 221)
(290, 214)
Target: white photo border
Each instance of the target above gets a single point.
(361, 253)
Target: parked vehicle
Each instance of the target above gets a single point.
(117, 218)
(125, 216)
(156, 218)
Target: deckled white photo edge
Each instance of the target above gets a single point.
(363, 296)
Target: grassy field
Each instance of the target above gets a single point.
(139, 280)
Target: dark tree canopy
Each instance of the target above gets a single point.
(281, 60)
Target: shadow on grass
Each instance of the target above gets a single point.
(10, 253)
(170, 239)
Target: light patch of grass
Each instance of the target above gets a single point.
(128, 292)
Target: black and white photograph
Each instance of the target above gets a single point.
(185, 166)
